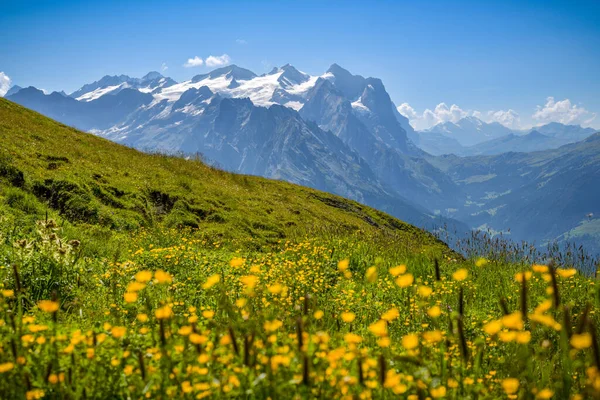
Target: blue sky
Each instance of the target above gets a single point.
(539, 59)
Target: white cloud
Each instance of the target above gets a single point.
(217, 61)
(4, 84)
(562, 111)
(441, 113)
(509, 118)
(164, 67)
(241, 41)
(444, 113)
(194, 62)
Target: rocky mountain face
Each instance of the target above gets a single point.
(340, 133)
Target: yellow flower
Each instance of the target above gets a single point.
(135, 286)
(434, 311)
(481, 262)
(523, 337)
(546, 320)
(513, 321)
(390, 314)
(433, 336)
(379, 328)
(371, 274)
(543, 307)
(438, 392)
(198, 339)
(539, 268)
(143, 276)
(164, 312)
(343, 265)
(8, 293)
(348, 316)
(236, 262)
(163, 277)
(398, 270)
(519, 276)
(460, 275)
(510, 385)
(425, 291)
(130, 297)
(211, 281)
(48, 306)
(208, 314)
(318, 314)
(35, 394)
(271, 326)
(142, 317)
(185, 330)
(404, 281)
(384, 342)
(544, 394)
(276, 288)
(240, 303)
(410, 341)
(249, 281)
(581, 341)
(566, 273)
(5, 367)
(492, 327)
(118, 331)
(352, 338)
(507, 336)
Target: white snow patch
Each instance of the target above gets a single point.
(95, 94)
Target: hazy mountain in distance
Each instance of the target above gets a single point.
(470, 131)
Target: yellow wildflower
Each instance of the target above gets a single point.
(211, 281)
(581, 341)
(410, 341)
(48, 306)
(398, 270)
(404, 281)
(460, 275)
(163, 277)
(510, 385)
(348, 316)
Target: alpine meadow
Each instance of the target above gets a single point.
(227, 234)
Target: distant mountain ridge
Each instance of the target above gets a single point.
(472, 136)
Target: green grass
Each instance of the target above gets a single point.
(88, 180)
(125, 246)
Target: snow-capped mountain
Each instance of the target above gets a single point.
(149, 83)
(470, 131)
(336, 132)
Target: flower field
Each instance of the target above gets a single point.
(314, 318)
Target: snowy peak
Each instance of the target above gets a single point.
(290, 76)
(113, 84)
(470, 131)
(350, 85)
(228, 72)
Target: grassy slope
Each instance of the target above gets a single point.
(99, 182)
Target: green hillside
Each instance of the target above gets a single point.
(125, 275)
(88, 180)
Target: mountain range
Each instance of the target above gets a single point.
(471, 136)
(340, 133)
